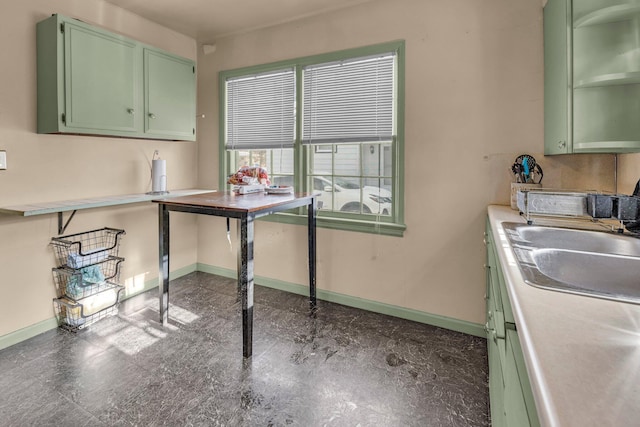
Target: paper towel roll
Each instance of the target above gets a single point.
(159, 176)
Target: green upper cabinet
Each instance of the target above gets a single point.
(170, 96)
(592, 76)
(92, 81)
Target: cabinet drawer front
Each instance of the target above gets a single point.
(496, 334)
(492, 265)
(504, 297)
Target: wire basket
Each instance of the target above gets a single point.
(78, 283)
(75, 315)
(87, 248)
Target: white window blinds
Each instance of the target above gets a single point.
(261, 111)
(349, 101)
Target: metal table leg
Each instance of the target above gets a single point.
(312, 253)
(163, 270)
(245, 281)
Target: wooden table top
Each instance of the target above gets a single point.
(229, 200)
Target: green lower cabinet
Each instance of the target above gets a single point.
(510, 395)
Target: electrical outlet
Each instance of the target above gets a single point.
(3, 160)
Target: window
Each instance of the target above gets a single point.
(260, 120)
(331, 124)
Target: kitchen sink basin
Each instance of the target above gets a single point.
(593, 263)
(572, 239)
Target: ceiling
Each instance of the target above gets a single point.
(208, 20)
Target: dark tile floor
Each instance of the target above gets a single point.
(343, 367)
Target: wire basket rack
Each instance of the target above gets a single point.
(88, 248)
(75, 315)
(88, 268)
(78, 283)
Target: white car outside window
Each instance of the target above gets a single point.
(344, 195)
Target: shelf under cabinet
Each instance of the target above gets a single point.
(621, 12)
(609, 80)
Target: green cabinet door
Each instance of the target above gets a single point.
(515, 408)
(101, 84)
(169, 95)
(515, 361)
(496, 384)
(557, 79)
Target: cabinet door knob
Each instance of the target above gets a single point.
(562, 144)
(152, 116)
(131, 111)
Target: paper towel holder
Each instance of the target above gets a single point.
(158, 175)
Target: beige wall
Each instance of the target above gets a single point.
(628, 172)
(474, 79)
(53, 167)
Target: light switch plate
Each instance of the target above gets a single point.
(3, 160)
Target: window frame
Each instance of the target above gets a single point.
(392, 225)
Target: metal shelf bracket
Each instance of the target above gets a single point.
(62, 226)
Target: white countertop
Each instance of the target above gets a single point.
(582, 353)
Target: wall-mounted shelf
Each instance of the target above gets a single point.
(72, 206)
(621, 12)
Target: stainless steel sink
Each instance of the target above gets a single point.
(592, 263)
(573, 239)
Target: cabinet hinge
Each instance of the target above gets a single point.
(62, 27)
(64, 119)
